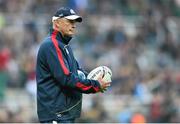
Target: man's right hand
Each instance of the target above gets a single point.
(104, 85)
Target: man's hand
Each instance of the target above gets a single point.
(104, 85)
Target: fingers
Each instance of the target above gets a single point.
(105, 84)
(100, 77)
(108, 84)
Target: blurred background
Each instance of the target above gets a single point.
(138, 39)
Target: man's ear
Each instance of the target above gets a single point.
(57, 24)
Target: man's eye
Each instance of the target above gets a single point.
(71, 21)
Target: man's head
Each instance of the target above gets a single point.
(64, 21)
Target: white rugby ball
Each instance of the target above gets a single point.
(101, 70)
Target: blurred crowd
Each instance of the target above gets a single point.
(138, 39)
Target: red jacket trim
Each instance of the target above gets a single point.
(59, 53)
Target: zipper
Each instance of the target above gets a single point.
(66, 49)
(68, 56)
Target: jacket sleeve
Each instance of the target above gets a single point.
(79, 68)
(64, 77)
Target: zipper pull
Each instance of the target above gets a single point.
(67, 51)
(65, 47)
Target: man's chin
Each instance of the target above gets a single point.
(71, 34)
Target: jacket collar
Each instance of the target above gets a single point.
(65, 40)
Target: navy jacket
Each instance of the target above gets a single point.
(59, 88)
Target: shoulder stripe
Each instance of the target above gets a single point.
(59, 53)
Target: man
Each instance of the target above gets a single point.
(59, 87)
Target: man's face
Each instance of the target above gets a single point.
(66, 27)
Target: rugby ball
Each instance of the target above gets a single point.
(101, 70)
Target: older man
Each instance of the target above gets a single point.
(59, 87)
